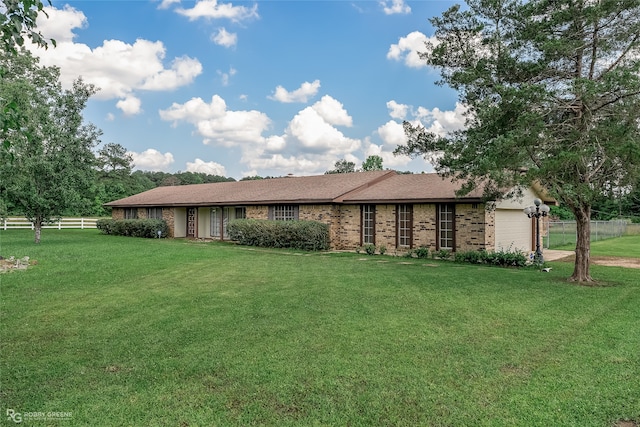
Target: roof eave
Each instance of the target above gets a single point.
(414, 201)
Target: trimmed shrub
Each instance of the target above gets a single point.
(442, 254)
(370, 249)
(303, 235)
(147, 228)
(501, 258)
(422, 252)
(471, 257)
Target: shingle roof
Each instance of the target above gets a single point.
(359, 187)
(415, 188)
(300, 190)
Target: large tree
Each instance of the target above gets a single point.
(552, 89)
(52, 170)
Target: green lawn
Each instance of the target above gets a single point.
(625, 246)
(122, 331)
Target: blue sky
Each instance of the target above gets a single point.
(264, 88)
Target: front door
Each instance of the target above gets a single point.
(192, 221)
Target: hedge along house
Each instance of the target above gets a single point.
(383, 208)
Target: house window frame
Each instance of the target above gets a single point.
(219, 218)
(284, 212)
(154, 213)
(368, 224)
(446, 216)
(404, 226)
(130, 213)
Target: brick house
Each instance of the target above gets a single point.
(399, 211)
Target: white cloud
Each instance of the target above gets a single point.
(61, 22)
(392, 133)
(183, 71)
(408, 47)
(226, 77)
(117, 68)
(297, 165)
(395, 7)
(216, 124)
(211, 9)
(165, 4)
(310, 143)
(332, 112)
(152, 160)
(225, 38)
(315, 134)
(110, 117)
(211, 168)
(302, 94)
(130, 106)
(275, 143)
(443, 122)
(397, 111)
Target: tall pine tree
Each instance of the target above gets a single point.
(553, 95)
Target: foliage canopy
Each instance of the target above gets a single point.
(51, 170)
(553, 96)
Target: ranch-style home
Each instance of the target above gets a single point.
(399, 211)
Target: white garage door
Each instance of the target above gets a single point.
(513, 230)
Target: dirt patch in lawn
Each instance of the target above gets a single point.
(12, 263)
(610, 261)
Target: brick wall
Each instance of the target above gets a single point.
(168, 215)
(475, 226)
(470, 227)
(424, 226)
(471, 231)
(347, 229)
(117, 213)
(257, 212)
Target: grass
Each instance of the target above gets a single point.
(625, 246)
(123, 331)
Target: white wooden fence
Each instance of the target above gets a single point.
(12, 223)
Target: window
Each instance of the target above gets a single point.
(446, 229)
(220, 218)
(404, 226)
(368, 222)
(154, 213)
(283, 212)
(130, 213)
(216, 221)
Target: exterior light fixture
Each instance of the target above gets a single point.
(538, 210)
